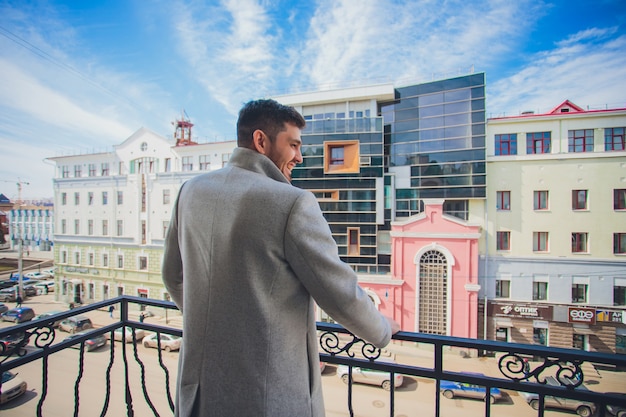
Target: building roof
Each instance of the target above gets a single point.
(565, 108)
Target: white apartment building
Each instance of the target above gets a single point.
(112, 210)
(555, 268)
(33, 225)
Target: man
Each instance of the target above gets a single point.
(245, 255)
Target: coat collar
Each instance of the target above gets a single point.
(253, 161)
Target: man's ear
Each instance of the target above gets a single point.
(259, 141)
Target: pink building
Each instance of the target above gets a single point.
(435, 257)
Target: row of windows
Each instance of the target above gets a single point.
(91, 199)
(540, 292)
(104, 230)
(141, 261)
(541, 200)
(143, 165)
(579, 242)
(92, 170)
(580, 140)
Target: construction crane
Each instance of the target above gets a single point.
(20, 185)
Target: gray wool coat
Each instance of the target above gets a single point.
(246, 255)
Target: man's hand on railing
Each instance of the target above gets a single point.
(395, 326)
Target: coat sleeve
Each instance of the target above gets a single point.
(172, 268)
(312, 254)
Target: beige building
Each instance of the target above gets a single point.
(555, 268)
(112, 210)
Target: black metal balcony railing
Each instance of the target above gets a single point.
(38, 340)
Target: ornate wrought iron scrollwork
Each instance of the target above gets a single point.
(44, 335)
(331, 344)
(518, 368)
(14, 344)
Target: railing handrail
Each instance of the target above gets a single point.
(565, 360)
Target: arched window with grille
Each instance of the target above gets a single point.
(433, 293)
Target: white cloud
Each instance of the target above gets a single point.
(353, 41)
(229, 48)
(43, 104)
(588, 74)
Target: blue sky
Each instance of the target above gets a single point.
(82, 76)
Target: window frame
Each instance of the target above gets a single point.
(505, 140)
(353, 241)
(580, 140)
(500, 287)
(501, 243)
(187, 163)
(619, 199)
(503, 200)
(540, 291)
(611, 139)
(619, 294)
(541, 241)
(348, 164)
(538, 143)
(619, 243)
(142, 263)
(580, 242)
(539, 203)
(576, 288)
(576, 206)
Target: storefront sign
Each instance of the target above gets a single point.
(92, 271)
(581, 315)
(610, 316)
(514, 310)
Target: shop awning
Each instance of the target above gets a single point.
(504, 323)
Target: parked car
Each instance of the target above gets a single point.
(11, 341)
(617, 410)
(3, 308)
(37, 275)
(451, 389)
(92, 343)
(44, 287)
(18, 314)
(49, 271)
(8, 294)
(369, 376)
(29, 290)
(6, 283)
(49, 314)
(12, 387)
(128, 334)
(168, 342)
(15, 277)
(582, 408)
(75, 324)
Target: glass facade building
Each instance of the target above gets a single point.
(373, 160)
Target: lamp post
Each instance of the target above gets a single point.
(20, 251)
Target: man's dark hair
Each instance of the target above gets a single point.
(267, 115)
